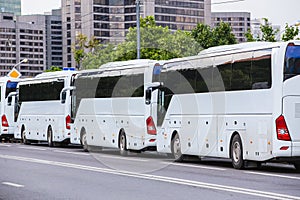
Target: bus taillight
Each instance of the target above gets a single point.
(151, 130)
(68, 122)
(4, 121)
(282, 129)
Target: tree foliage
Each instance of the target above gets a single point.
(53, 69)
(81, 46)
(290, 33)
(210, 37)
(268, 33)
(157, 43)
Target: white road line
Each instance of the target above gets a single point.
(12, 184)
(165, 179)
(195, 166)
(5, 145)
(123, 158)
(69, 152)
(273, 175)
(32, 148)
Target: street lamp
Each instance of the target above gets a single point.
(138, 33)
(25, 60)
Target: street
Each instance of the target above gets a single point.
(39, 172)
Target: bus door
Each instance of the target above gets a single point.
(11, 110)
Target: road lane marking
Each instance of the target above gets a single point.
(123, 158)
(5, 145)
(274, 175)
(165, 179)
(12, 184)
(33, 148)
(69, 152)
(195, 166)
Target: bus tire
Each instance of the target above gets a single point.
(297, 166)
(23, 136)
(176, 148)
(237, 152)
(123, 144)
(50, 136)
(83, 140)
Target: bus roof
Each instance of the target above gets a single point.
(238, 47)
(55, 74)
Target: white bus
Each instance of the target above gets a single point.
(45, 108)
(8, 106)
(109, 107)
(238, 101)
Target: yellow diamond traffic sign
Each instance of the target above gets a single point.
(14, 73)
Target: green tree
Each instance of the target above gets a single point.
(53, 69)
(203, 35)
(249, 36)
(157, 43)
(268, 33)
(81, 47)
(210, 37)
(222, 35)
(290, 33)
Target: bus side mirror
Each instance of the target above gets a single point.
(148, 96)
(63, 94)
(63, 97)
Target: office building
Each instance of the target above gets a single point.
(12, 6)
(20, 40)
(239, 22)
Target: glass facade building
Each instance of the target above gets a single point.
(13, 6)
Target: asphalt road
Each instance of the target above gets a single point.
(40, 172)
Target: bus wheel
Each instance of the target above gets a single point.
(50, 137)
(176, 149)
(83, 140)
(123, 144)
(23, 136)
(297, 166)
(237, 152)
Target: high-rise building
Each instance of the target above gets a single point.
(54, 44)
(19, 40)
(239, 22)
(12, 6)
(109, 21)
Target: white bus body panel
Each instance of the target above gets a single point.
(291, 112)
(205, 124)
(36, 117)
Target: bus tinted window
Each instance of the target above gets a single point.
(292, 62)
(242, 71)
(261, 70)
(40, 91)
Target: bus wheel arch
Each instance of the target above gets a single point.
(176, 147)
(236, 151)
(50, 136)
(122, 143)
(83, 139)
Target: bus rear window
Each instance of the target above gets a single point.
(292, 62)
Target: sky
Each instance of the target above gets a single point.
(279, 12)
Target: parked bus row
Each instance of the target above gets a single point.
(240, 102)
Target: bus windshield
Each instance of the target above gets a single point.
(292, 61)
